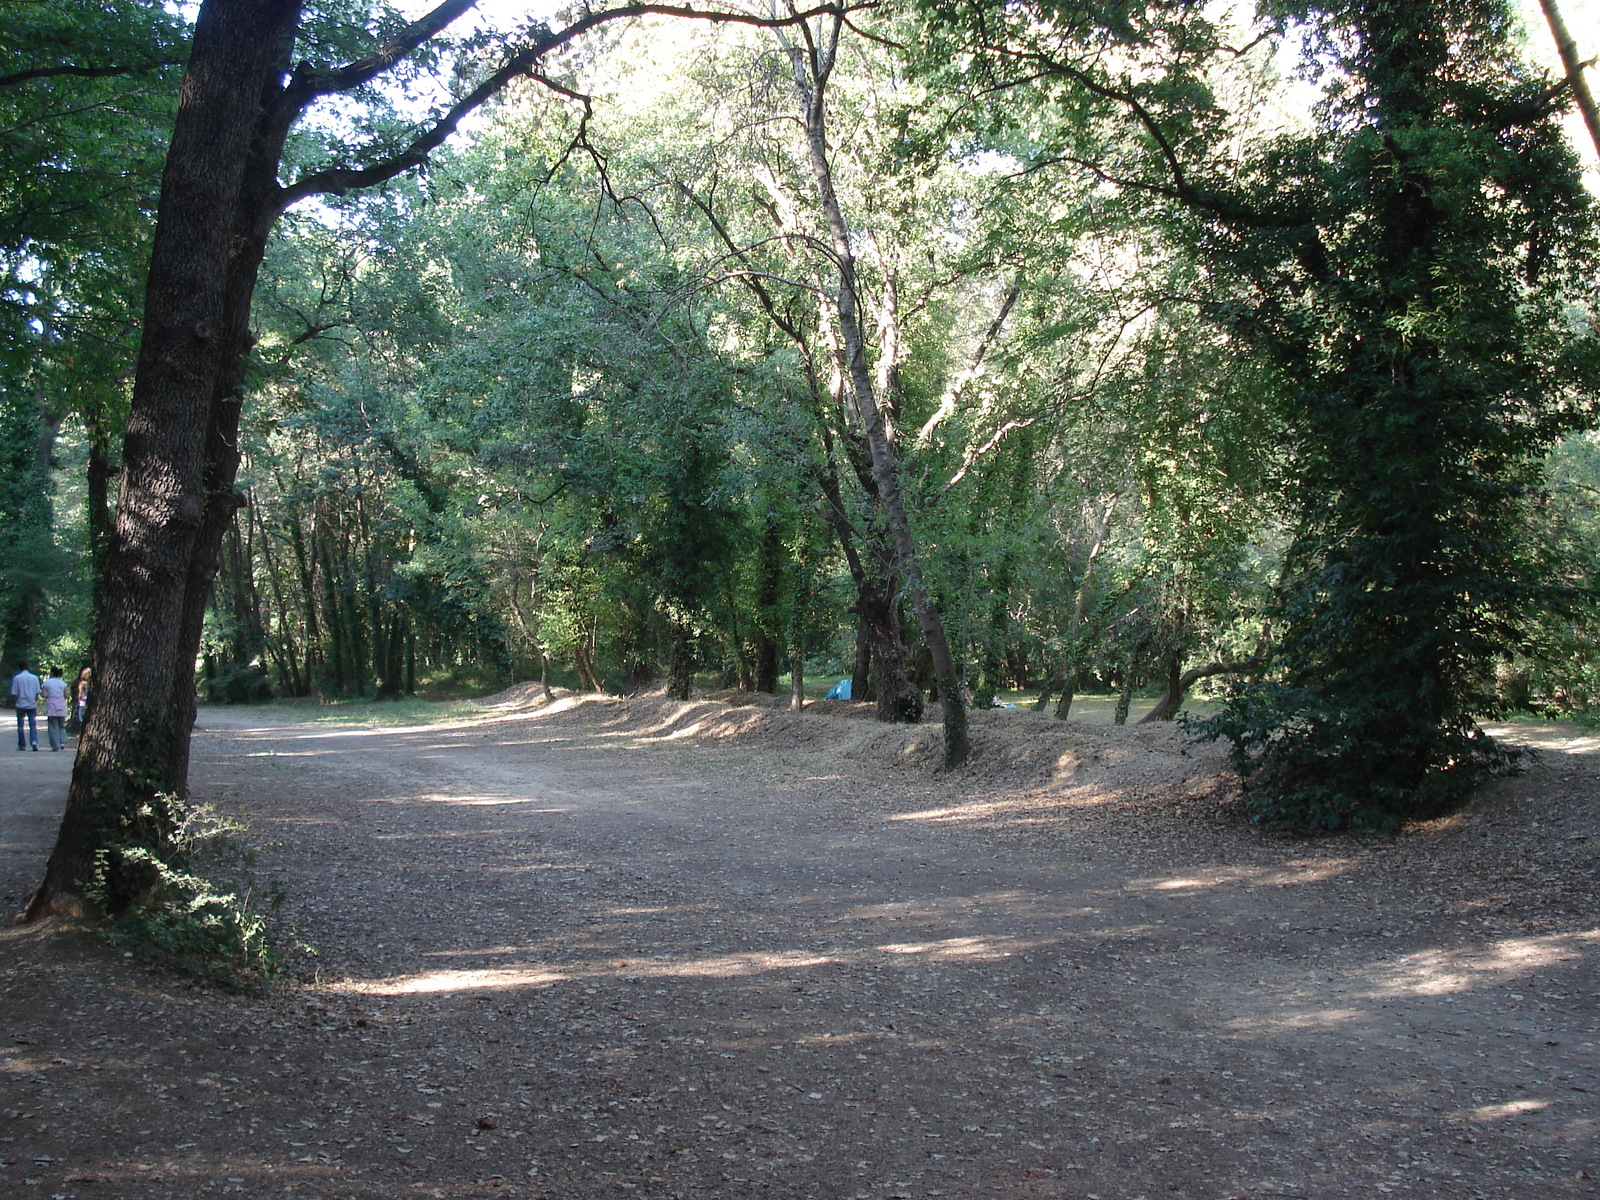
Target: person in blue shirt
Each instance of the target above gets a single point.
(25, 696)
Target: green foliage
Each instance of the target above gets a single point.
(86, 102)
(243, 683)
(1428, 364)
(163, 905)
(1556, 672)
(32, 562)
(1409, 267)
(1350, 764)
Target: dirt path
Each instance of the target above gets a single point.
(646, 951)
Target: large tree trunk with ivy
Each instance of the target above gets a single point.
(1429, 265)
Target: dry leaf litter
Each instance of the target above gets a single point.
(636, 948)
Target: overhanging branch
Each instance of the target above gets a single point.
(79, 72)
(523, 63)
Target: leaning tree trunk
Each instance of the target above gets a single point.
(812, 66)
(153, 604)
(1568, 50)
(255, 211)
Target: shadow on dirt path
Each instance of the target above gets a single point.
(598, 952)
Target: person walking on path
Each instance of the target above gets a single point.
(55, 709)
(25, 696)
(83, 696)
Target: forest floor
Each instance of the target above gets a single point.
(612, 948)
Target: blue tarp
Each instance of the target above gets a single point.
(839, 691)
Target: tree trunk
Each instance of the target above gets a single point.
(1568, 50)
(1069, 692)
(356, 639)
(680, 664)
(812, 67)
(99, 476)
(170, 514)
(583, 662)
(340, 647)
(1066, 676)
(861, 665)
(306, 570)
(880, 649)
(898, 697)
(294, 683)
(1124, 699)
(268, 27)
(411, 662)
(769, 624)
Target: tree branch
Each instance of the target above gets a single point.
(78, 72)
(952, 397)
(523, 63)
(1575, 80)
(369, 66)
(1163, 710)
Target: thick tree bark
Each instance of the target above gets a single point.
(897, 696)
(861, 663)
(812, 67)
(149, 625)
(878, 672)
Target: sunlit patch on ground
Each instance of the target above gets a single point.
(1511, 1108)
(1442, 972)
(1287, 875)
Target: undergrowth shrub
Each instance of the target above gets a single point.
(188, 901)
(1320, 767)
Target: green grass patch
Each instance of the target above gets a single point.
(386, 713)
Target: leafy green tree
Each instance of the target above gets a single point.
(1404, 266)
(85, 104)
(1416, 258)
(256, 68)
(1556, 671)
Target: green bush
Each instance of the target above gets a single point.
(162, 908)
(1317, 765)
(244, 684)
